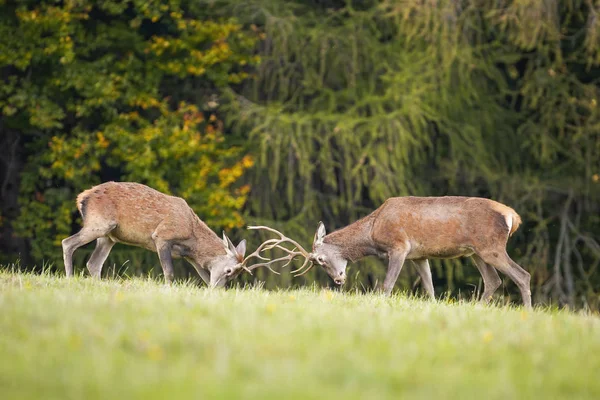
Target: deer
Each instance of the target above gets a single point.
(137, 215)
(418, 229)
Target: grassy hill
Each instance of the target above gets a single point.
(138, 338)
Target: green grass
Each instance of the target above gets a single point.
(85, 339)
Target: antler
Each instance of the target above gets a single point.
(276, 244)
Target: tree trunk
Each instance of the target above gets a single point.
(11, 165)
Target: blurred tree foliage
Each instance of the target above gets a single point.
(353, 102)
(119, 90)
(358, 101)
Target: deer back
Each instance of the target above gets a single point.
(443, 226)
(138, 210)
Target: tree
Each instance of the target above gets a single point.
(120, 90)
(356, 102)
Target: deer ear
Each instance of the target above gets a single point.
(241, 248)
(229, 247)
(319, 235)
(225, 240)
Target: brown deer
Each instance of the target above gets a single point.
(135, 214)
(419, 228)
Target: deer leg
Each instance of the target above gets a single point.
(396, 261)
(524, 279)
(503, 263)
(81, 238)
(99, 256)
(166, 262)
(424, 271)
(204, 275)
(491, 280)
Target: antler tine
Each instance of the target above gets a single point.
(277, 246)
(307, 261)
(262, 247)
(305, 271)
(283, 238)
(290, 257)
(271, 244)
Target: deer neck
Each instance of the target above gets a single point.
(205, 245)
(354, 241)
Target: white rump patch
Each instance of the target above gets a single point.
(508, 219)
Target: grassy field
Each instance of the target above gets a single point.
(85, 339)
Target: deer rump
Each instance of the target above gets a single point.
(136, 211)
(443, 227)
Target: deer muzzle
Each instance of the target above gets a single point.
(341, 279)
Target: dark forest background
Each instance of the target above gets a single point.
(285, 113)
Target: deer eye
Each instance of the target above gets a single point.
(228, 271)
(321, 259)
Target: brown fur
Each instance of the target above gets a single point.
(356, 238)
(419, 228)
(139, 211)
(433, 227)
(138, 215)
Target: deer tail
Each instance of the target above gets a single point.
(82, 200)
(516, 222)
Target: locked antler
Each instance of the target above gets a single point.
(275, 243)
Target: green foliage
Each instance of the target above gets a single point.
(90, 84)
(355, 102)
(139, 339)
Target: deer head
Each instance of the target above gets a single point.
(227, 267)
(328, 256)
(324, 254)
